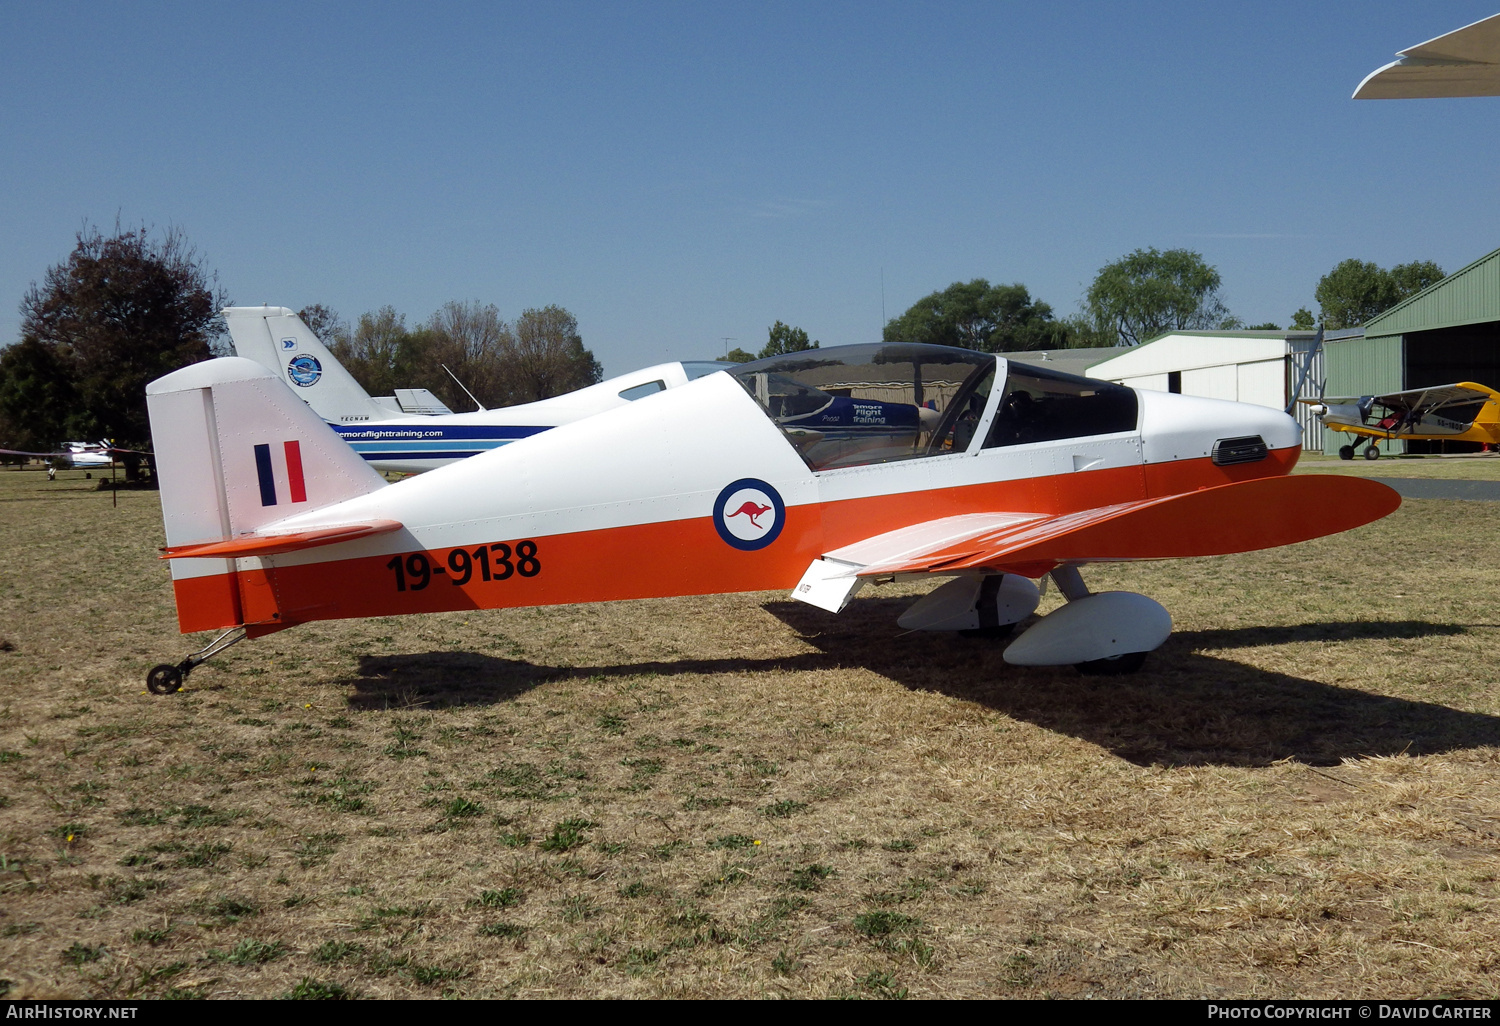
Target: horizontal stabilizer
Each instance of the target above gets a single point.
(1239, 517)
(271, 544)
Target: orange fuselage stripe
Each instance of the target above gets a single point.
(683, 557)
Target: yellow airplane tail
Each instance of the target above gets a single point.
(1491, 412)
(1488, 419)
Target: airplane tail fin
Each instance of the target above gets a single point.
(276, 338)
(235, 451)
(1489, 413)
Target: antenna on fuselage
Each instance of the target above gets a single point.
(460, 384)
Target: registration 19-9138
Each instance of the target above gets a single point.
(496, 561)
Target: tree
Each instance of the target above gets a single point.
(324, 323)
(474, 342)
(981, 316)
(1409, 279)
(549, 356)
(738, 355)
(542, 355)
(121, 311)
(1084, 333)
(783, 339)
(38, 403)
(1353, 292)
(1268, 326)
(382, 354)
(1357, 290)
(1302, 320)
(1149, 293)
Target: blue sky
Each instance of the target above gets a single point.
(677, 173)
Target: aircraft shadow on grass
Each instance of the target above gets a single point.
(1184, 708)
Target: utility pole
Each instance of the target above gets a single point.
(727, 340)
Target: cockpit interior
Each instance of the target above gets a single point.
(858, 405)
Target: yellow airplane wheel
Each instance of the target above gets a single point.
(1346, 452)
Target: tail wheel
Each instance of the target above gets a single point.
(1346, 452)
(164, 679)
(1372, 453)
(1113, 666)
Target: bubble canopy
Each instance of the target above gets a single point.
(855, 405)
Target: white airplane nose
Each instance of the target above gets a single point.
(1181, 427)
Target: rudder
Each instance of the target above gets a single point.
(236, 450)
(276, 338)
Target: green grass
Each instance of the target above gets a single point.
(502, 898)
(308, 989)
(250, 952)
(463, 808)
(810, 878)
(333, 952)
(882, 923)
(81, 954)
(567, 835)
(732, 842)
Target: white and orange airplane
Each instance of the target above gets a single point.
(817, 472)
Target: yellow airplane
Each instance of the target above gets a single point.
(1465, 412)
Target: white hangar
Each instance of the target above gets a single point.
(1261, 367)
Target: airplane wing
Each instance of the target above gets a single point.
(1437, 397)
(1238, 517)
(98, 450)
(1422, 400)
(1464, 62)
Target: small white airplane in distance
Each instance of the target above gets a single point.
(414, 431)
(818, 472)
(80, 455)
(88, 455)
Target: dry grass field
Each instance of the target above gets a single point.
(1470, 467)
(741, 796)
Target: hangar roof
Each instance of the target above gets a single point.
(1189, 350)
(1467, 296)
(1069, 361)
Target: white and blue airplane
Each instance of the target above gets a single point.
(413, 430)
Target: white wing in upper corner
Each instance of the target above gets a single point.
(1464, 62)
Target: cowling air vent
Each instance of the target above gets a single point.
(1229, 451)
